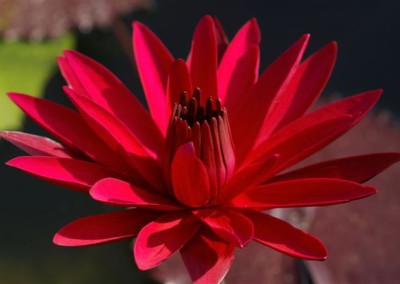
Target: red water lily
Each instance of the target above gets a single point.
(195, 181)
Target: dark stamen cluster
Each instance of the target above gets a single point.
(192, 111)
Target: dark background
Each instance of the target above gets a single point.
(32, 211)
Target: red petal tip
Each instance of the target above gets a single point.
(137, 24)
(255, 27)
(11, 162)
(15, 96)
(370, 190)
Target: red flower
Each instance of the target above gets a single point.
(196, 181)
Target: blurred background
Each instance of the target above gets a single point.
(362, 237)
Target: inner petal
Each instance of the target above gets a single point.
(207, 127)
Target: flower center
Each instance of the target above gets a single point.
(208, 128)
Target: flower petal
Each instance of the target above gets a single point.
(263, 97)
(67, 126)
(35, 145)
(356, 105)
(120, 139)
(222, 39)
(109, 128)
(230, 226)
(307, 84)
(302, 142)
(245, 178)
(190, 180)
(238, 70)
(178, 82)
(302, 193)
(312, 132)
(357, 168)
(71, 173)
(107, 91)
(153, 61)
(118, 192)
(203, 59)
(104, 228)
(277, 154)
(207, 258)
(284, 238)
(70, 76)
(161, 238)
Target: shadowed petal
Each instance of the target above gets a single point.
(357, 105)
(67, 126)
(153, 61)
(106, 90)
(304, 88)
(246, 178)
(69, 75)
(312, 132)
(207, 258)
(263, 97)
(231, 226)
(285, 238)
(161, 238)
(357, 168)
(108, 127)
(203, 59)
(302, 193)
(118, 192)
(104, 228)
(222, 39)
(71, 173)
(238, 70)
(35, 145)
(189, 177)
(290, 148)
(120, 139)
(178, 81)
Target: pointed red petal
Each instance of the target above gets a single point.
(178, 82)
(238, 70)
(118, 192)
(120, 139)
(245, 178)
(153, 61)
(312, 132)
(307, 84)
(356, 105)
(71, 173)
(69, 75)
(288, 149)
(230, 226)
(35, 145)
(222, 39)
(106, 90)
(189, 177)
(207, 258)
(161, 238)
(104, 228)
(263, 97)
(303, 142)
(67, 126)
(109, 128)
(283, 237)
(302, 193)
(357, 168)
(208, 157)
(203, 59)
